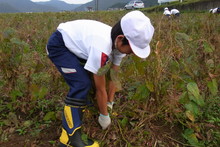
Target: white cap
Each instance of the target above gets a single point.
(166, 8)
(139, 31)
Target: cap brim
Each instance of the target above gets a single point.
(141, 53)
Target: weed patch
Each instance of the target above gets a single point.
(169, 99)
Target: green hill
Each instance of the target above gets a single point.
(10, 6)
(6, 8)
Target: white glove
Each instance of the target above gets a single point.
(104, 121)
(110, 105)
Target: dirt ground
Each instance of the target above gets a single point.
(49, 137)
(161, 133)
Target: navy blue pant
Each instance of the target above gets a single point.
(70, 66)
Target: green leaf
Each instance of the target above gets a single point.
(38, 92)
(21, 131)
(150, 86)
(184, 98)
(9, 106)
(190, 136)
(115, 78)
(8, 33)
(2, 83)
(124, 122)
(114, 75)
(174, 66)
(19, 42)
(52, 142)
(84, 137)
(14, 94)
(42, 92)
(182, 36)
(192, 107)
(50, 116)
(26, 47)
(128, 145)
(142, 92)
(27, 123)
(213, 87)
(207, 47)
(16, 41)
(103, 70)
(190, 115)
(194, 90)
(188, 70)
(34, 91)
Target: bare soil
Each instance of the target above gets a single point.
(161, 135)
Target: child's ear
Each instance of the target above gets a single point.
(120, 37)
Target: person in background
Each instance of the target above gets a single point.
(175, 12)
(215, 10)
(166, 12)
(98, 46)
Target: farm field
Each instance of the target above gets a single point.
(171, 99)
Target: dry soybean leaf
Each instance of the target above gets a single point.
(190, 115)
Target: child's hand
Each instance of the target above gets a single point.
(104, 121)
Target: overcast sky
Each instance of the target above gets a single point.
(67, 1)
